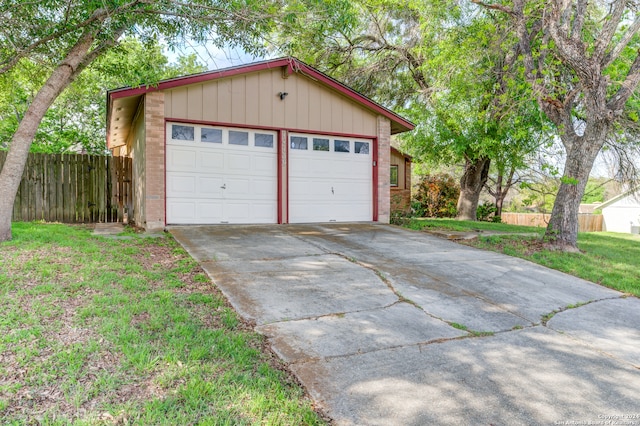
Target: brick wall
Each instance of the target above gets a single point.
(154, 176)
(384, 148)
(400, 200)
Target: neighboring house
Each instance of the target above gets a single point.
(400, 180)
(270, 142)
(622, 213)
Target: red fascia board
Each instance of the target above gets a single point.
(198, 78)
(293, 65)
(306, 69)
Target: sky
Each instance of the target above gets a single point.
(212, 57)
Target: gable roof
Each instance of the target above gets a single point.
(293, 65)
(633, 191)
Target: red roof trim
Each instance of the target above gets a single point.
(294, 65)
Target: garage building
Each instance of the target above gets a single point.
(270, 142)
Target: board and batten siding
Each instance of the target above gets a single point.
(252, 100)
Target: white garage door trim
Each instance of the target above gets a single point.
(220, 174)
(330, 178)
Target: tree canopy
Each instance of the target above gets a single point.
(582, 62)
(76, 120)
(65, 37)
(447, 67)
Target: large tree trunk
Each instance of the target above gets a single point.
(562, 230)
(11, 173)
(475, 175)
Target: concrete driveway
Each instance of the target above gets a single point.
(386, 326)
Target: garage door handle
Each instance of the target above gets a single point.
(224, 186)
(332, 190)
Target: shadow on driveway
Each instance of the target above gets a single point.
(386, 326)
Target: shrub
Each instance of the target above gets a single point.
(485, 211)
(436, 196)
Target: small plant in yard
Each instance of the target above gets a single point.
(128, 331)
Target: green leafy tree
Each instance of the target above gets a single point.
(75, 121)
(446, 67)
(582, 62)
(65, 37)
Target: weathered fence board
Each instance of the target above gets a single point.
(586, 222)
(73, 188)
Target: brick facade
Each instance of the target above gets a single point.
(400, 200)
(384, 147)
(155, 162)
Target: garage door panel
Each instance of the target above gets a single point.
(239, 188)
(263, 188)
(221, 182)
(182, 160)
(263, 164)
(239, 163)
(326, 186)
(210, 186)
(264, 212)
(182, 185)
(210, 161)
(210, 211)
(183, 210)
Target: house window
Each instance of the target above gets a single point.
(238, 138)
(211, 135)
(264, 140)
(320, 144)
(340, 146)
(298, 142)
(182, 133)
(394, 175)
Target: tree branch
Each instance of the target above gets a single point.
(629, 85)
(492, 6)
(609, 29)
(615, 53)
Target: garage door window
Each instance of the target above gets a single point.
(341, 146)
(182, 133)
(320, 144)
(264, 140)
(298, 142)
(238, 138)
(211, 135)
(361, 148)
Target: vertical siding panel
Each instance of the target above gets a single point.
(168, 110)
(277, 106)
(210, 101)
(325, 111)
(266, 96)
(179, 99)
(337, 104)
(252, 99)
(289, 103)
(238, 99)
(194, 102)
(315, 108)
(302, 103)
(347, 118)
(224, 101)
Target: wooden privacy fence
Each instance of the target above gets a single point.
(73, 188)
(586, 222)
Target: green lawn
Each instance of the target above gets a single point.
(104, 331)
(606, 258)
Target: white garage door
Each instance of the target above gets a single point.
(330, 179)
(220, 175)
